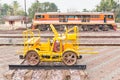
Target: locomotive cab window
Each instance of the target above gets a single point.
(110, 16)
(71, 16)
(39, 16)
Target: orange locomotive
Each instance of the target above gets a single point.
(86, 21)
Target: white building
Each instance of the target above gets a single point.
(14, 22)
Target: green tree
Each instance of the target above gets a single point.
(41, 7)
(106, 5)
(117, 13)
(21, 12)
(109, 6)
(0, 9)
(34, 8)
(13, 9)
(6, 9)
(15, 6)
(49, 7)
(85, 10)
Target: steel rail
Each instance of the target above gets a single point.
(81, 67)
(53, 36)
(74, 44)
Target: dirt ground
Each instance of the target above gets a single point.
(102, 66)
(8, 55)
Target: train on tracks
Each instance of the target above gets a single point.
(86, 21)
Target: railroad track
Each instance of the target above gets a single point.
(48, 67)
(102, 66)
(20, 31)
(44, 34)
(8, 40)
(7, 36)
(27, 72)
(74, 44)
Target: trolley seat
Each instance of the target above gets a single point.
(33, 40)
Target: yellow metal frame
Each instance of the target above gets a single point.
(29, 39)
(66, 41)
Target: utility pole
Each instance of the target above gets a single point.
(37, 6)
(25, 14)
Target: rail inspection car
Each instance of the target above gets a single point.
(62, 48)
(86, 21)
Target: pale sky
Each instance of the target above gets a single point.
(63, 5)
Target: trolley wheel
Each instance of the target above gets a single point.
(69, 58)
(32, 58)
